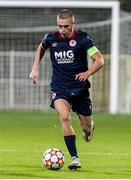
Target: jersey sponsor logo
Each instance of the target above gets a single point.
(72, 43)
(64, 57)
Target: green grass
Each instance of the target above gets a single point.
(24, 136)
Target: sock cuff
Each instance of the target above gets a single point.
(70, 136)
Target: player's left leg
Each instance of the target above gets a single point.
(82, 105)
(87, 126)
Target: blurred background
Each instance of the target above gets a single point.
(22, 29)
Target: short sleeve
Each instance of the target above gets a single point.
(87, 42)
(45, 41)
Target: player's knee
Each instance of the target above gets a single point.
(65, 117)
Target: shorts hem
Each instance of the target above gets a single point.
(52, 103)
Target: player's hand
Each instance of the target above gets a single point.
(33, 76)
(83, 76)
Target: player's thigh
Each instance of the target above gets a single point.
(63, 108)
(82, 105)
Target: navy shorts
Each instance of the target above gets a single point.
(80, 101)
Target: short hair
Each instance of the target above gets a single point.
(65, 14)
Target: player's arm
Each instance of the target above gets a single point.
(97, 58)
(38, 56)
(98, 62)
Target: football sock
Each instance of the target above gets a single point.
(71, 144)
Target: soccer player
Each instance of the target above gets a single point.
(69, 48)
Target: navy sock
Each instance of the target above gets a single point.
(71, 144)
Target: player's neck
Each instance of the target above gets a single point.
(71, 35)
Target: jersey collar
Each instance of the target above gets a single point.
(71, 37)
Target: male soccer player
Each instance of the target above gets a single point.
(70, 86)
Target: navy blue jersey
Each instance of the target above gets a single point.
(68, 57)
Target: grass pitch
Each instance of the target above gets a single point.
(24, 136)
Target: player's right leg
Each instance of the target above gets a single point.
(63, 108)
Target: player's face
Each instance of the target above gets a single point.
(65, 27)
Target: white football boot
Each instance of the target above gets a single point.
(88, 135)
(75, 164)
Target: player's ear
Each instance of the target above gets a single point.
(73, 20)
(74, 23)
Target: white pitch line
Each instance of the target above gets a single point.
(83, 153)
(7, 150)
(104, 153)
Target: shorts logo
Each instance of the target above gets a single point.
(53, 95)
(72, 43)
(90, 107)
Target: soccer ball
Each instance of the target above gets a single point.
(53, 159)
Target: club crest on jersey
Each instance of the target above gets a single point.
(72, 43)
